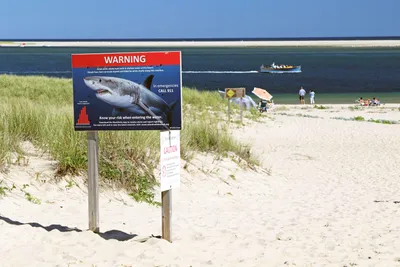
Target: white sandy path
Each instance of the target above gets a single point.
(316, 209)
(334, 171)
(390, 112)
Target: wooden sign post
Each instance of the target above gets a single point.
(170, 176)
(241, 110)
(93, 181)
(166, 202)
(235, 93)
(229, 110)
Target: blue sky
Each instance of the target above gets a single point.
(82, 19)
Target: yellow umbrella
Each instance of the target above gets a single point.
(261, 93)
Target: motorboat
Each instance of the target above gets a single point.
(273, 68)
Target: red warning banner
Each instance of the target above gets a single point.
(125, 59)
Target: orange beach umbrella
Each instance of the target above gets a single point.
(261, 93)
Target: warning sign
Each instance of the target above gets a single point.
(235, 92)
(170, 159)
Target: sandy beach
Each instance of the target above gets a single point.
(330, 43)
(327, 194)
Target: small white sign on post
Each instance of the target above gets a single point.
(170, 159)
(170, 164)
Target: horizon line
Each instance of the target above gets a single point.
(214, 39)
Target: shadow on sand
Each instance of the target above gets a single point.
(109, 235)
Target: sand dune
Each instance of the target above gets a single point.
(328, 195)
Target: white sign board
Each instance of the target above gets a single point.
(170, 159)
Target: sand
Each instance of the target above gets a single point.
(330, 43)
(327, 195)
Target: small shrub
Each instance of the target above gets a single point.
(383, 121)
(359, 118)
(320, 107)
(3, 189)
(352, 108)
(32, 199)
(253, 114)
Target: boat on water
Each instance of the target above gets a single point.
(273, 68)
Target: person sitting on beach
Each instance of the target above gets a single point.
(374, 102)
(361, 101)
(262, 106)
(365, 102)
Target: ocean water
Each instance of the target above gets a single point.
(337, 75)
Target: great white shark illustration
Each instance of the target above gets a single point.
(126, 95)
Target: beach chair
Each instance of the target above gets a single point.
(263, 106)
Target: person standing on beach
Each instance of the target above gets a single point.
(312, 97)
(302, 93)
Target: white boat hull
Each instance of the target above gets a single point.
(295, 69)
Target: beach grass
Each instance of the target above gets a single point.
(203, 99)
(40, 110)
(320, 107)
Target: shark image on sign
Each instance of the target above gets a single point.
(127, 96)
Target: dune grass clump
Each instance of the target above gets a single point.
(320, 107)
(204, 99)
(38, 89)
(40, 110)
(254, 115)
(3, 189)
(359, 118)
(282, 108)
(204, 134)
(352, 108)
(383, 121)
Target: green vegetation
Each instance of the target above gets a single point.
(204, 100)
(359, 118)
(28, 196)
(299, 115)
(32, 199)
(320, 107)
(39, 110)
(383, 121)
(253, 115)
(282, 108)
(309, 116)
(352, 108)
(3, 189)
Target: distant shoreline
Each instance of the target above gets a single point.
(308, 43)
